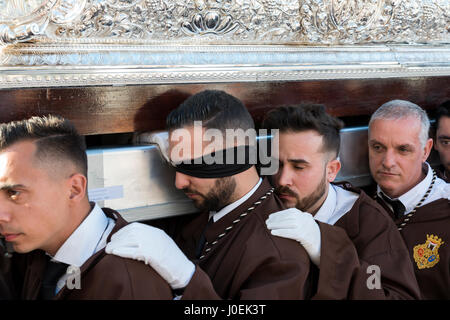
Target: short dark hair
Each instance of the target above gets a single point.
(54, 136)
(303, 117)
(216, 109)
(442, 111)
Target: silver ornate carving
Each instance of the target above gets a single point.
(100, 77)
(182, 41)
(180, 20)
(211, 22)
(167, 64)
(264, 21)
(228, 21)
(363, 21)
(66, 11)
(23, 20)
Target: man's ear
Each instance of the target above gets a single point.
(427, 149)
(78, 187)
(333, 168)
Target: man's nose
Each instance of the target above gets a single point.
(181, 180)
(284, 177)
(389, 159)
(5, 216)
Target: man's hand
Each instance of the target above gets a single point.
(153, 246)
(297, 225)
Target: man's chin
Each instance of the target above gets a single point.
(21, 248)
(201, 205)
(389, 189)
(198, 204)
(289, 204)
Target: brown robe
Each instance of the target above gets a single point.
(103, 276)
(6, 287)
(429, 227)
(375, 240)
(248, 262)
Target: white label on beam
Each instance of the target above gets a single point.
(107, 193)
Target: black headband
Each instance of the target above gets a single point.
(202, 169)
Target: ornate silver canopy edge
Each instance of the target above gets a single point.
(97, 76)
(122, 42)
(27, 65)
(305, 22)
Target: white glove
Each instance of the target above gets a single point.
(141, 242)
(300, 226)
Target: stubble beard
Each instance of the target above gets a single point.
(218, 197)
(304, 204)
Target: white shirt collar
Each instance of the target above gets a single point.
(411, 198)
(227, 209)
(89, 238)
(338, 202)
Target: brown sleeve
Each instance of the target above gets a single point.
(200, 287)
(146, 283)
(279, 280)
(339, 263)
(386, 249)
(274, 279)
(6, 288)
(115, 278)
(344, 274)
(396, 280)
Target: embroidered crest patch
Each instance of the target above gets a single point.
(426, 255)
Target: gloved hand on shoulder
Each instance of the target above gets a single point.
(153, 246)
(300, 226)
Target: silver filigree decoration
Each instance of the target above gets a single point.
(67, 10)
(305, 22)
(22, 20)
(379, 21)
(162, 20)
(426, 21)
(210, 23)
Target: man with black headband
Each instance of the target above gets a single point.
(347, 261)
(236, 257)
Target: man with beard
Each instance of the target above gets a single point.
(442, 142)
(309, 142)
(408, 188)
(235, 255)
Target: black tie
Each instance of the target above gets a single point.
(397, 206)
(52, 273)
(202, 241)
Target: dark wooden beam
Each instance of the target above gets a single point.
(112, 109)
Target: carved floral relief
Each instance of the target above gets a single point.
(228, 21)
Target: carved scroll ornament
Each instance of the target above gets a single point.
(228, 21)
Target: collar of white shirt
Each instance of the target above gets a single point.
(222, 212)
(411, 198)
(89, 238)
(338, 202)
